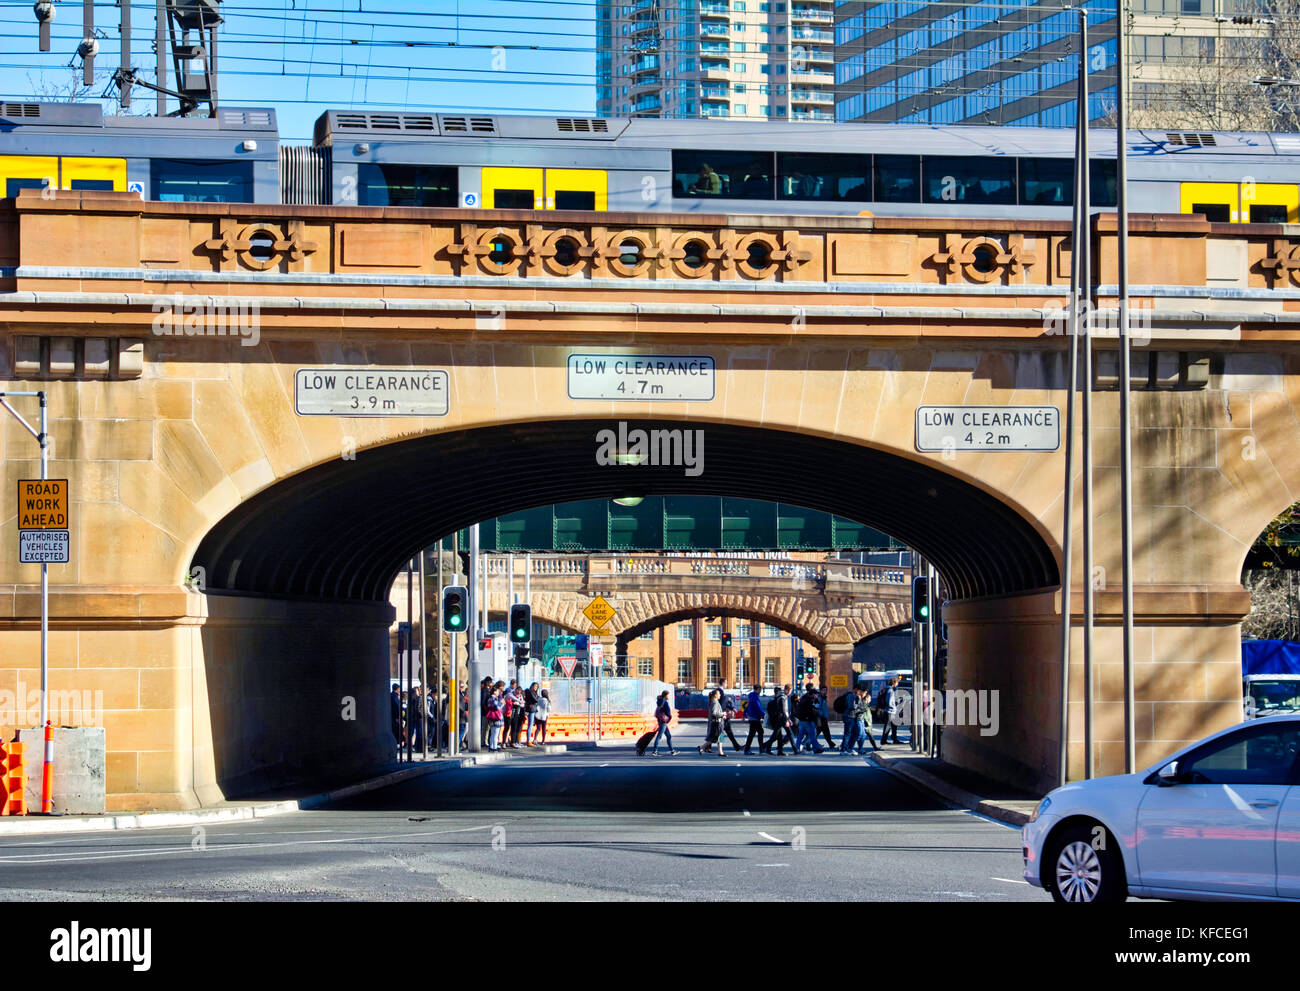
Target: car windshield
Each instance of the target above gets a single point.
(1275, 696)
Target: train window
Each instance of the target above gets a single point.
(406, 185)
(513, 199)
(1103, 182)
(92, 184)
(823, 177)
(1215, 213)
(1267, 213)
(736, 175)
(1046, 181)
(968, 179)
(13, 185)
(575, 199)
(193, 181)
(897, 178)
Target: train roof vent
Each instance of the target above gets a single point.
(20, 109)
(1199, 140)
(244, 118)
(468, 125)
(570, 124)
(351, 122)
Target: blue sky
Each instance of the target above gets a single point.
(306, 56)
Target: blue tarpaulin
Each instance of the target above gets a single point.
(1270, 657)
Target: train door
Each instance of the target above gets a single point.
(576, 189)
(93, 173)
(27, 172)
(1270, 203)
(512, 189)
(1217, 200)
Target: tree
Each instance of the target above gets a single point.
(1211, 85)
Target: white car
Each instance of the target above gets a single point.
(1216, 821)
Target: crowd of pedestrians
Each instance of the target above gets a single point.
(417, 721)
(800, 720)
(510, 712)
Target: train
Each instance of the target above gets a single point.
(642, 165)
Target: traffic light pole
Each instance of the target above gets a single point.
(437, 716)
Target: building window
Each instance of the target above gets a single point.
(771, 631)
(648, 635)
(770, 666)
(739, 109)
(744, 629)
(715, 631)
(686, 631)
(645, 667)
(742, 671)
(715, 668)
(684, 670)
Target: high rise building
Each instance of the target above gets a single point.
(716, 58)
(984, 62)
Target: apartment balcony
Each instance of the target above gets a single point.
(812, 34)
(812, 55)
(801, 15)
(715, 93)
(822, 115)
(647, 105)
(715, 29)
(715, 10)
(715, 47)
(715, 70)
(709, 110)
(645, 24)
(646, 84)
(811, 96)
(646, 63)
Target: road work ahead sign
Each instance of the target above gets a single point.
(43, 536)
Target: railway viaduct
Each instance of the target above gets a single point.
(828, 604)
(234, 531)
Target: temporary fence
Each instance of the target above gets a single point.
(602, 708)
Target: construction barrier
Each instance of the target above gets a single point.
(13, 780)
(612, 727)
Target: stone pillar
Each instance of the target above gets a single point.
(1187, 679)
(836, 661)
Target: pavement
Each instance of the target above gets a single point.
(596, 825)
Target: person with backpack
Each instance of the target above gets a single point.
(664, 716)
(494, 717)
(728, 711)
(849, 706)
(507, 715)
(823, 716)
(792, 718)
(754, 713)
(807, 710)
(889, 710)
(778, 721)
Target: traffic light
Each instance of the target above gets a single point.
(521, 654)
(455, 608)
(811, 664)
(521, 623)
(726, 639)
(798, 672)
(921, 600)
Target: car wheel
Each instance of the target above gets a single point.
(1077, 871)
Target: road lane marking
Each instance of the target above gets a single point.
(768, 836)
(31, 859)
(746, 811)
(773, 865)
(1008, 880)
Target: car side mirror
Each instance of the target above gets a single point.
(1168, 775)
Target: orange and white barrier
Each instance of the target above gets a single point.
(13, 780)
(47, 772)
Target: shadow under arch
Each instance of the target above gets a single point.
(344, 529)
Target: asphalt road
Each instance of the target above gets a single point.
(601, 825)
